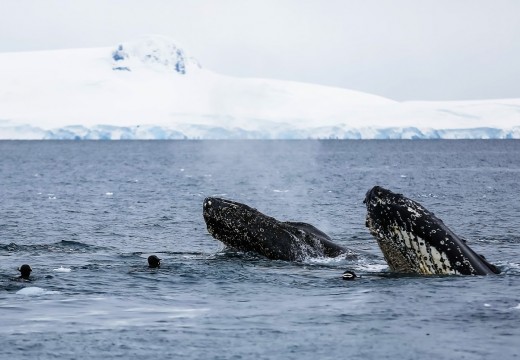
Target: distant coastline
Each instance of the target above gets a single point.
(152, 89)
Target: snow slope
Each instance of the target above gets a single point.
(151, 89)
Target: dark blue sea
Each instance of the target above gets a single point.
(86, 215)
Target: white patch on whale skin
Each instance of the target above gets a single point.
(407, 240)
(438, 260)
(413, 212)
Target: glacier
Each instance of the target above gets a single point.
(151, 88)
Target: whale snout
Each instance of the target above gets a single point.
(368, 195)
(209, 207)
(208, 202)
(373, 193)
(214, 208)
(379, 194)
(212, 204)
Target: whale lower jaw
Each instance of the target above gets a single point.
(415, 256)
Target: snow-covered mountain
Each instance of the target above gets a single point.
(152, 89)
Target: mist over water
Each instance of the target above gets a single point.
(99, 209)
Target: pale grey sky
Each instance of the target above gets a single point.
(401, 49)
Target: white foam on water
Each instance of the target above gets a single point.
(62, 269)
(169, 312)
(35, 291)
(373, 267)
(326, 260)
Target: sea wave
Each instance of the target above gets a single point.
(63, 246)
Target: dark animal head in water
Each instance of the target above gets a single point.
(25, 271)
(154, 261)
(247, 229)
(414, 240)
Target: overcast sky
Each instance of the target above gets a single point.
(401, 49)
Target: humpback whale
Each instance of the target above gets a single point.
(414, 240)
(247, 229)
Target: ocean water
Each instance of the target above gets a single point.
(86, 215)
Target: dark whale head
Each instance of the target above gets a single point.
(414, 240)
(227, 215)
(247, 229)
(225, 218)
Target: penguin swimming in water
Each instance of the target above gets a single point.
(25, 271)
(349, 275)
(154, 261)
